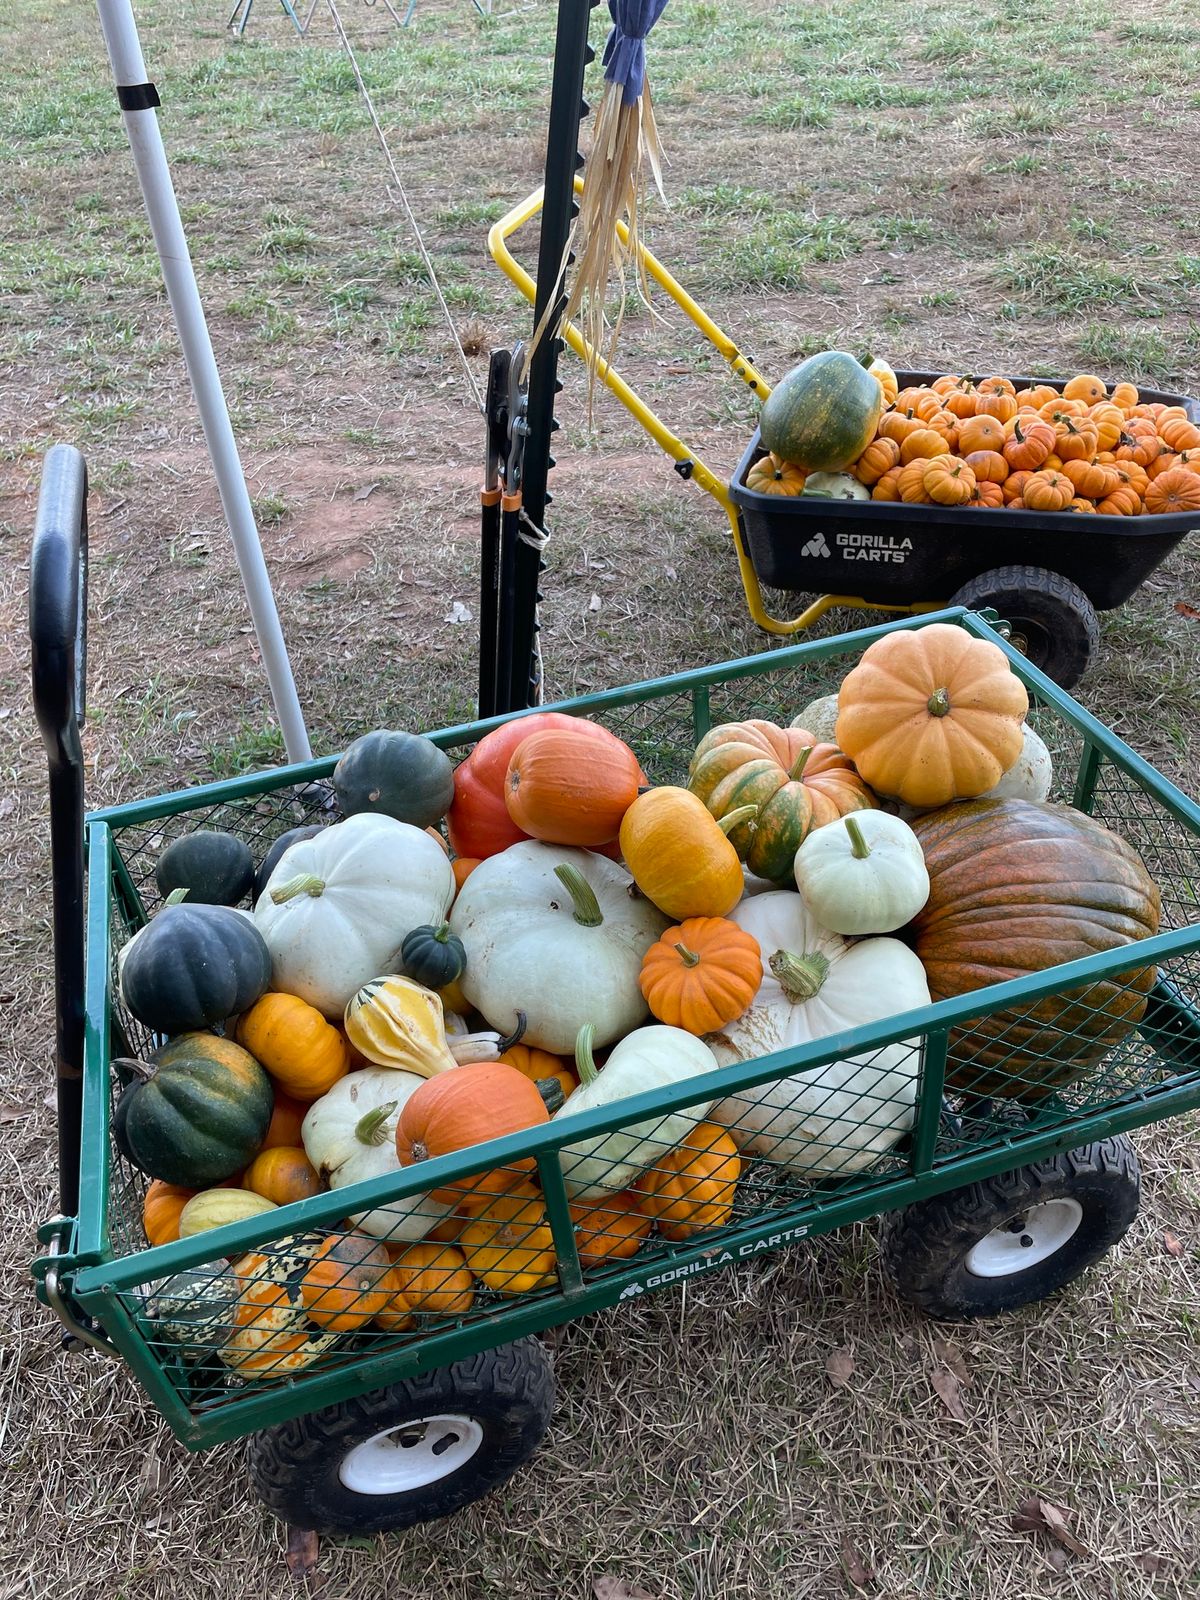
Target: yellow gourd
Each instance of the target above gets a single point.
(394, 1022)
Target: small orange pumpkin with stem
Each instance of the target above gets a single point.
(924, 444)
(430, 1280)
(981, 433)
(888, 487)
(1048, 491)
(879, 456)
(509, 1246)
(344, 1285)
(1139, 442)
(1081, 503)
(997, 386)
(949, 481)
(1110, 423)
(691, 1188)
(911, 483)
(1177, 490)
(1014, 485)
(770, 474)
(1038, 395)
(702, 974)
(987, 497)
(1179, 433)
(612, 1229)
(989, 466)
(1000, 404)
(1027, 443)
(1124, 501)
(1091, 479)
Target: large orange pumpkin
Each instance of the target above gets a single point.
(572, 788)
(691, 1187)
(1016, 887)
(702, 974)
(454, 1110)
(932, 715)
(797, 782)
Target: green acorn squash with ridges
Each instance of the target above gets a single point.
(823, 414)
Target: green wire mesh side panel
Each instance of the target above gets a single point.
(312, 1313)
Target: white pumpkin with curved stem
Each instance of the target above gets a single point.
(337, 906)
(839, 1118)
(862, 874)
(656, 1057)
(349, 1135)
(558, 934)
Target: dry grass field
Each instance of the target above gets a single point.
(1004, 186)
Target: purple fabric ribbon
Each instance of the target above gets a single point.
(625, 52)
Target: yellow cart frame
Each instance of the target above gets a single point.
(685, 457)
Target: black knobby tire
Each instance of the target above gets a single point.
(1052, 620)
(505, 1397)
(928, 1247)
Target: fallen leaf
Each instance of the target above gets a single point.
(951, 1356)
(609, 1588)
(1035, 1515)
(458, 613)
(1173, 1246)
(857, 1571)
(365, 493)
(1151, 1565)
(594, 603)
(303, 1548)
(1186, 610)
(14, 1114)
(839, 1367)
(948, 1389)
(152, 1477)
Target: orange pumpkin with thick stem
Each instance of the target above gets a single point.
(898, 425)
(961, 398)
(509, 1246)
(879, 456)
(537, 1065)
(1075, 439)
(998, 404)
(431, 1280)
(1177, 490)
(997, 386)
(911, 483)
(888, 487)
(1048, 491)
(945, 423)
(702, 974)
(1086, 387)
(304, 1054)
(612, 1229)
(989, 466)
(1133, 476)
(1027, 443)
(1126, 396)
(771, 475)
(1055, 410)
(454, 1110)
(923, 444)
(931, 715)
(571, 788)
(919, 402)
(1091, 479)
(1139, 442)
(981, 432)
(344, 1286)
(691, 1188)
(1039, 395)
(987, 497)
(948, 382)
(282, 1174)
(949, 481)
(164, 1202)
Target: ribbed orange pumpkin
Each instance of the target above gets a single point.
(691, 1188)
(987, 497)
(1001, 404)
(1177, 490)
(771, 475)
(1124, 501)
(431, 1280)
(1080, 503)
(1075, 439)
(876, 459)
(1139, 442)
(1110, 423)
(282, 1174)
(164, 1202)
(1133, 476)
(613, 1229)
(888, 487)
(572, 788)
(304, 1054)
(924, 443)
(961, 398)
(1126, 396)
(898, 425)
(343, 1287)
(997, 386)
(932, 715)
(1048, 491)
(981, 432)
(919, 402)
(1027, 443)
(989, 466)
(911, 483)
(949, 481)
(454, 1110)
(509, 1246)
(540, 1064)
(1039, 395)
(703, 974)
(1014, 486)
(1092, 479)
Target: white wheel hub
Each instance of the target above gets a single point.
(411, 1455)
(1024, 1240)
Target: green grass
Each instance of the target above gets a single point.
(1059, 279)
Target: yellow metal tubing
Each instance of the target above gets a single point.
(499, 234)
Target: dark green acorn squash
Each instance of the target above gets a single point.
(193, 966)
(433, 956)
(275, 853)
(215, 868)
(823, 414)
(195, 1113)
(402, 775)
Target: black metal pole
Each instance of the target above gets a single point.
(58, 634)
(571, 55)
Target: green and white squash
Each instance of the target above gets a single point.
(194, 1308)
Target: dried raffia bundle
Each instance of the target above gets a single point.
(604, 237)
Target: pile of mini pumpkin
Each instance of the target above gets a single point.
(394, 997)
(983, 444)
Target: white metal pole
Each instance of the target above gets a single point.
(138, 100)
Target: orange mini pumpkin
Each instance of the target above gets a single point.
(1027, 443)
(888, 487)
(613, 1229)
(432, 1280)
(1080, 503)
(164, 1202)
(1139, 442)
(1133, 476)
(770, 474)
(1126, 396)
(919, 402)
(281, 1175)
(691, 1188)
(1179, 433)
(1075, 438)
(997, 386)
(454, 1110)
(1124, 501)
(572, 788)
(1000, 404)
(879, 456)
(703, 974)
(1091, 479)
(988, 496)
(343, 1286)
(924, 443)
(1110, 423)
(509, 1246)
(1177, 490)
(304, 1054)
(1086, 387)
(961, 398)
(1038, 395)
(911, 483)
(949, 481)
(1048, 491)
(1014, 486)
(989, 466)
(983, 432)
(898, 425)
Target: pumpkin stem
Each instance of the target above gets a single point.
(859, 848)
(442, 934)
(370, 1129)
(587, 907)
(688, 957)
(176, 897)
(801, 762)
(305, 883)
(938, 704)
(585, 1061)
(507, 1040)
(136, 1066)
(800, 977)
(551, 1092)
(730, 820)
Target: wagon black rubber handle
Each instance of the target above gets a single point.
(58, 635)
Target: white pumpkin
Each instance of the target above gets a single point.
(558, 934)
(1030, 776)
(862, 874)
(349, 1135)
(839, 1118)
(337, 906)
(834, 486)
(656, 1057)
(819, 717)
